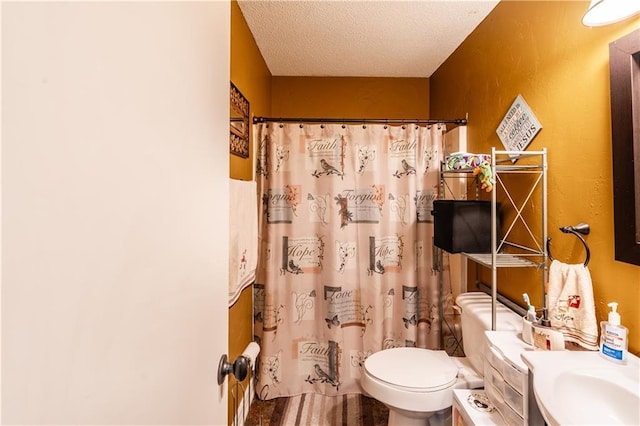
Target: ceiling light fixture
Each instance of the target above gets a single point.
(604, 12)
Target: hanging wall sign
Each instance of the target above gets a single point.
(518, 127)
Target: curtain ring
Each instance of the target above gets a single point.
(281, 125)
(322, 126)
(301, 125)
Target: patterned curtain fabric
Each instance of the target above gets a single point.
(345, 266)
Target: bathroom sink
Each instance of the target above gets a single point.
(579, 388)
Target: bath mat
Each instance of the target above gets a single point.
(315, 409)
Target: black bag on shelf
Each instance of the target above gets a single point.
(463, 225)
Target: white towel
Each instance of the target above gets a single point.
(571, 306)
(243, 236)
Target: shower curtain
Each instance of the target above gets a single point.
(345, 266)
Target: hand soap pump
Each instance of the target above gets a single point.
(613, 337)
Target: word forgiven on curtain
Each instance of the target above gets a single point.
(345, 251)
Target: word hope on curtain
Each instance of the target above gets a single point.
(345, 263)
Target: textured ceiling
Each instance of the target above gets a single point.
(349, 38)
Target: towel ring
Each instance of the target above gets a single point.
(581, 228)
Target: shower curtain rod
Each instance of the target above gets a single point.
(458, 121)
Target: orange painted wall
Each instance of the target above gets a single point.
(542, 51)
(252, 77)
(537, 49)
(305, 97)
(350, 97)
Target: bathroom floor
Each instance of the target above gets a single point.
(318, 410)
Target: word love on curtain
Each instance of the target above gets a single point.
(345, 265)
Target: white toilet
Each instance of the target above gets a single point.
(417, 384)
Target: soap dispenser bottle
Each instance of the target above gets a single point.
(613, 337)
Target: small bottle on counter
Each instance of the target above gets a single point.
(613, 337)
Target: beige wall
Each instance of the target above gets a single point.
(542, 51)
(114, 212)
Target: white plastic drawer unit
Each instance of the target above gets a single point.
(515, 377)
(514, 399)
(506, 376)
(512, 418)
(493, 378)
(495, 397)
(492, 355)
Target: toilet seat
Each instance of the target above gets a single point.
(412, 369)
(416, 383)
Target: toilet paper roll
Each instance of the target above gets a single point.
(251, 353)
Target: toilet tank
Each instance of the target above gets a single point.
(475, 319)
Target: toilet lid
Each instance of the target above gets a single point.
(413, 368)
